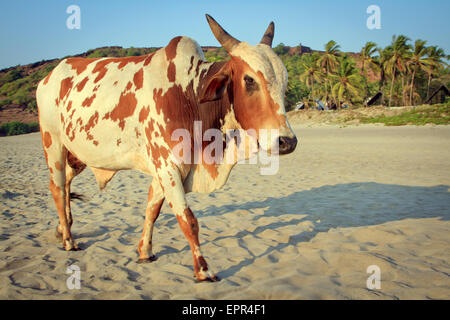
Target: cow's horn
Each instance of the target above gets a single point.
(227, 41)
(268, 35)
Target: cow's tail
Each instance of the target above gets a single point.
(77, 196)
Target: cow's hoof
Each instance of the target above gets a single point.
(147, 260)
(210, 277)
(70, 245)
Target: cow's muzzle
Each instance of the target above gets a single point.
(286, 144)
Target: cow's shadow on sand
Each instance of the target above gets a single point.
(338, 206)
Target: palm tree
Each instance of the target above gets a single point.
(384, 55)
(346, 81)
(397, 63)
(418, 61)
(311, 73)
(328, 60)
(436, 56)
(368, 60)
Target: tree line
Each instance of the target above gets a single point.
(404, 72)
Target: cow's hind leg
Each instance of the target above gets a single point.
(172, 185)
(154, 203)
(56, 155)
(73, 168)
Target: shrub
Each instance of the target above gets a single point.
(5, 102)
(17, 127)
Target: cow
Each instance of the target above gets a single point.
(112, 114)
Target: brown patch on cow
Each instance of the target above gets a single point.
(188, 110)
(69, 105)
(203, 263)
(62, 118)
(158, 152)
(88, 101)
(212, 169)
(66, 86)
(118, 142)
(68, 128)
(93, 120)
(81, 84)
(80, 64)
(43, 144)
(80, 123)
(170, 204)
(71, 115)
(150, 193)
(190, 230)
(171, 72)
(95, 142)
(58, 166)
(148, 59)
(197, 69)
(137, 132)
(47, 140)
(115, 83)
(138, 79)
(68, 131)
(96, 88)
(132, 59)
(192, 65)
(129, 85)
(57, 196)
(143, 114)
(101, 69)
(255, 111)
(124, 109)
(164, 152)
(48, 77)
(171, 48)
(75, 163)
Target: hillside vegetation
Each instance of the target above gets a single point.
(406, 73)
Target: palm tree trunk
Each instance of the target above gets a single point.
(392, 87)
(403, 90)
(428, 86)
(412, 86)
(381, 84)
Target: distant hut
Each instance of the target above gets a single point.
(438, 96)
(374, 99)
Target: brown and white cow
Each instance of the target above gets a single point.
(115, 114)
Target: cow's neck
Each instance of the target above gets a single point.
(219, 115)
(213, 113)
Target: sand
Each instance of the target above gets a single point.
(348, 198)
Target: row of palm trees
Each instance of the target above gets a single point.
(334, 77)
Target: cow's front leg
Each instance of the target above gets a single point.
(189, 225)
(155, 201)
(172, 185)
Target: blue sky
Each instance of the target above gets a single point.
(34, 30)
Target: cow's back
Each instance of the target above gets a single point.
(99, 107)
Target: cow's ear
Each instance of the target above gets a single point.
(216, 87)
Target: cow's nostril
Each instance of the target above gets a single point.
(287, 144)
(282, 142)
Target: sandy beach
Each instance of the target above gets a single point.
(346, 199)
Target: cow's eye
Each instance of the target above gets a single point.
(249, 80)
(250, 85)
